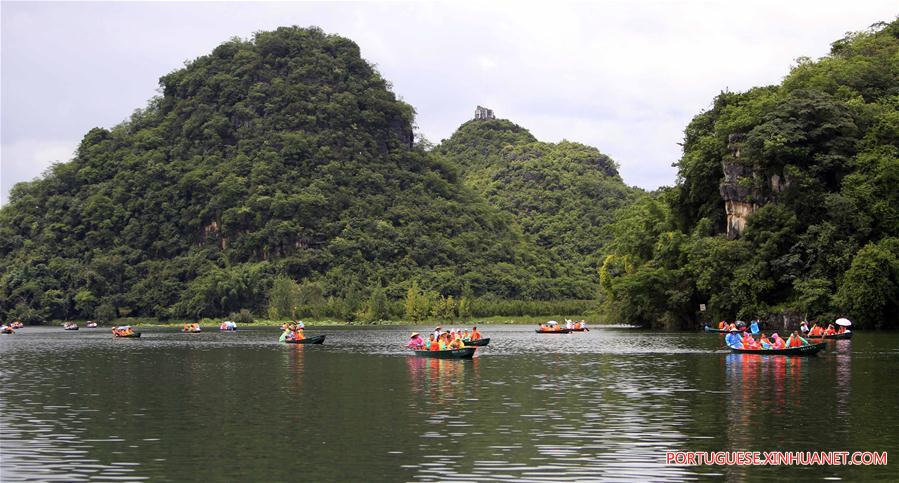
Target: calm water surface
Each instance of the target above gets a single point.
(81, 406)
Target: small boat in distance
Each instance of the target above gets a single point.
(6, 330)
(712, 329)
(70, 326)
(843, 335)
(228, 326)
(90, 325)
(192, 328)
(316, 339)
(125, 332)
(551, 327)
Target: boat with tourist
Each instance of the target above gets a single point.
(551, 327)
(125, 332)
(315, 339)
(463, 353)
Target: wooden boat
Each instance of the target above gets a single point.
(806, 350)
(134, 335)
(463, 353)
(317, 339)
(844, 335)
(7, 330)
(70, 327)
(476, 343)
(91, 325)
(712, 329)
(192, 331)
(17, 325)
(557, 331)
(582, 329)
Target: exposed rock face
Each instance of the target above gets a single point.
(737, 188)
(744, 189)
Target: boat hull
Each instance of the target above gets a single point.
(476, 343)
(318, 339)
(806, 350)
(560, 331)
(723, 331)
(845, 335)
(464, 353)
(135, 335)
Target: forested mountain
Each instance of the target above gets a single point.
(283, 155)
(561, 195)
(786, 200)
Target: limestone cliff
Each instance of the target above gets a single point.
(744, 188)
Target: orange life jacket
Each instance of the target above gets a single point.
(722, 324)
(434, 346)
(475, 335)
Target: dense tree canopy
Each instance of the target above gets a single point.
(283, 155)
(561, 195)
(823, 152)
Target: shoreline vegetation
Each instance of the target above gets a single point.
(329, 322)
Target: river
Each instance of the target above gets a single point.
(82, 406)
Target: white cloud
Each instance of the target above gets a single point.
(625, 77)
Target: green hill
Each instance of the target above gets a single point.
(561, 195)
(286, 154)
(786, 202)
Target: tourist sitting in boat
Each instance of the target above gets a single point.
(765, 342)
(17, 325)
(830, 330)
(803, 327)
(6, 329)
(456, 344)
(816, 331)
(749, 342)
(416, 342)
(795, 340)
(733, 340)
(298, 331)
(777, 341)
(433, 345)
(722, 325)
(228, 325)
(475, 335)
(841, 330)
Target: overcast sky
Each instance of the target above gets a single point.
(624, 76)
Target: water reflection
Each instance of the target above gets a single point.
(601, 405)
